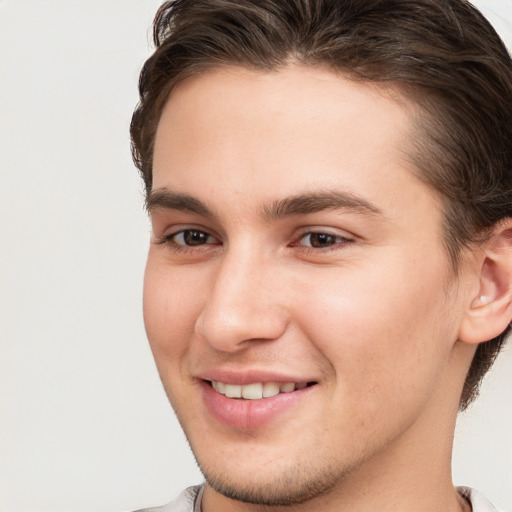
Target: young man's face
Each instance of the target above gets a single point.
(293, 248)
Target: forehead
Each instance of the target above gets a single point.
(272, 134)
(294, 98)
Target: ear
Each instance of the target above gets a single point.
(490, 309)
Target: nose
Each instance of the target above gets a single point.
(243, 304)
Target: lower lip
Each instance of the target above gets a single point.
(249, 414)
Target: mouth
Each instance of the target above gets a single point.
(257, 390)
(248, 403)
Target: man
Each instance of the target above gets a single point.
(330, 271)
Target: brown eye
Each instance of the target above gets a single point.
(321, 240)
(192, 237)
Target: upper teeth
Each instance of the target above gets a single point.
(257, 390)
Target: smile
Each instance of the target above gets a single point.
(252, 404)
(257, 390)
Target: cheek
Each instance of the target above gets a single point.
(171, 306)
(384, 324)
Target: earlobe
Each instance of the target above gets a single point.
(490, 309)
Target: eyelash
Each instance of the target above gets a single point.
(338, 242)
(169, 241)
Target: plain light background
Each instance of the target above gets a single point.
(84, 423)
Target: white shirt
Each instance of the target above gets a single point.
(190, 501)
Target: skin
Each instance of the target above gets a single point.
(373, 315)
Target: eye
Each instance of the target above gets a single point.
(191, 237)
(321, 240)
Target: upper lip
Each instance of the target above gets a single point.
(249, 376)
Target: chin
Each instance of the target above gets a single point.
(274, 486)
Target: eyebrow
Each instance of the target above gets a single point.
(305, 204)
(164, 199)
(302, 204)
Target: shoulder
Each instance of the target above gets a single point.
(185, 502)
(478, 501)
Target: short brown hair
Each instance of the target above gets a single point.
(442, 55)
